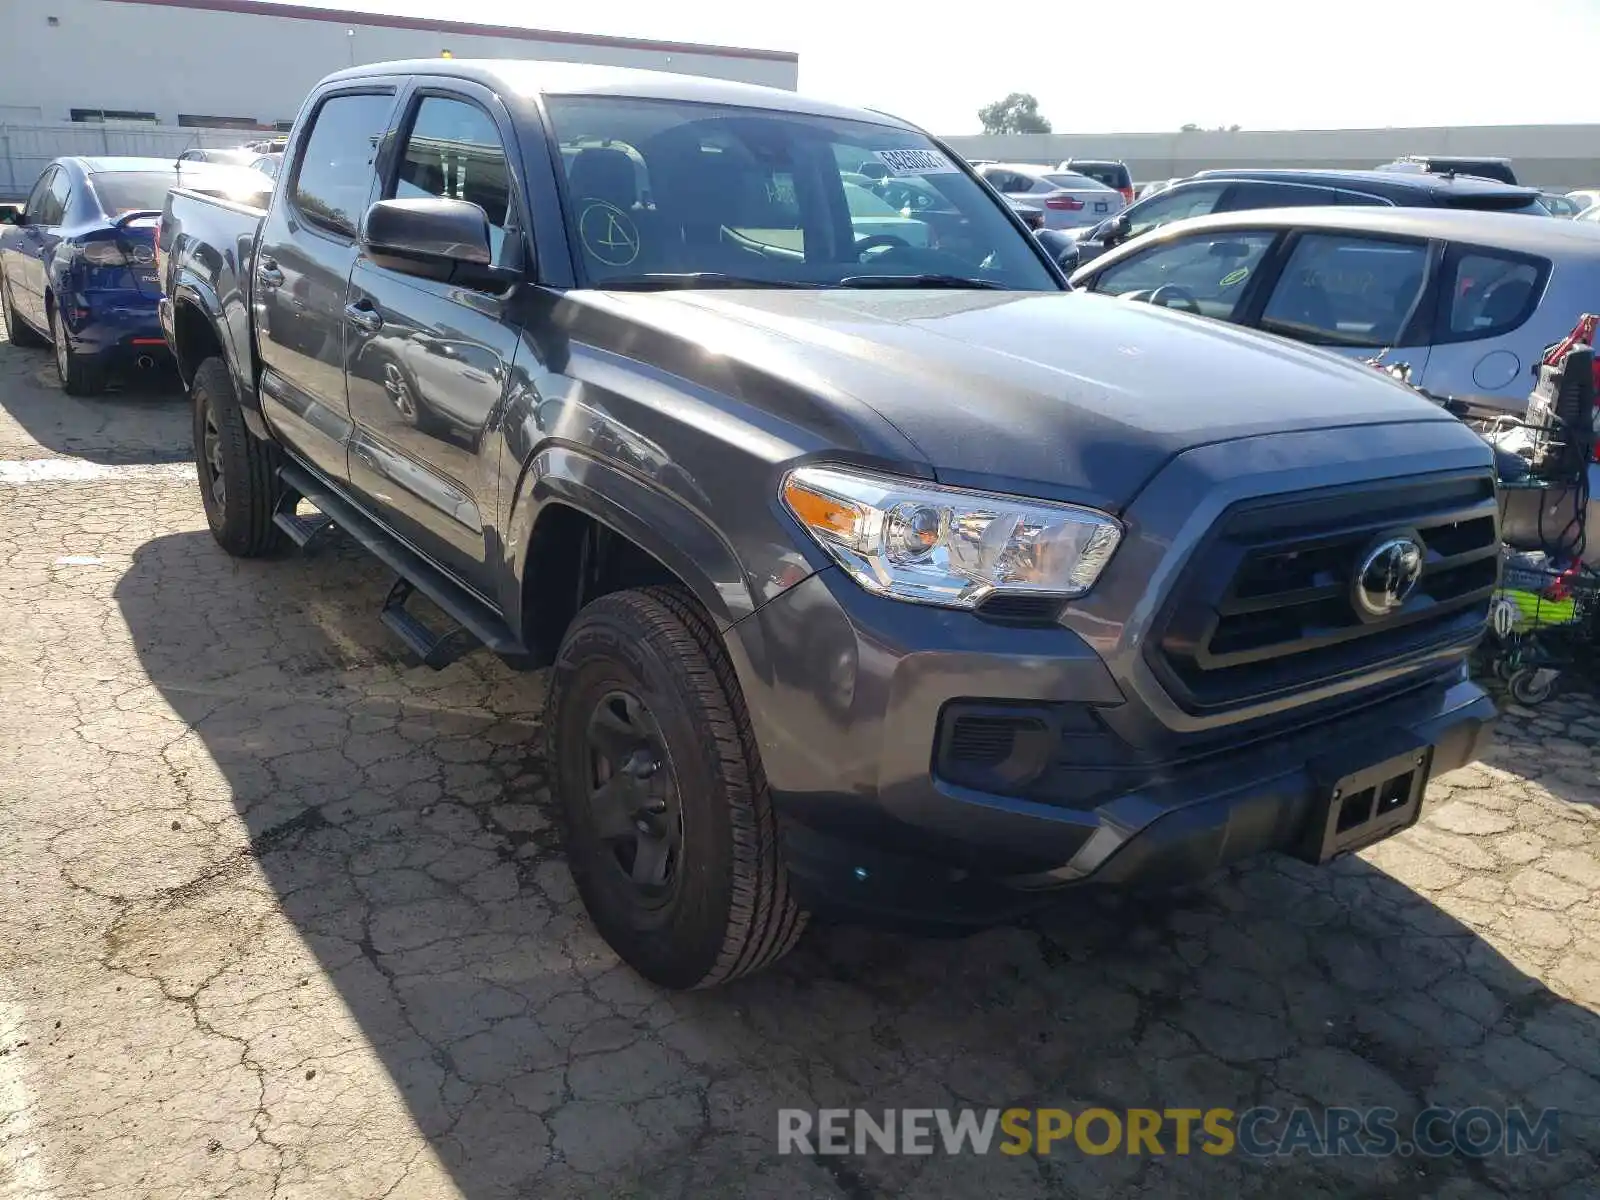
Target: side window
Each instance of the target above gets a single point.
(1174, 205)
(334, 177)
(39, 198)
(1250, 195)
(1347, 290)
(454, 151)
(53, 204)
(1206, 273)
(1490, 293)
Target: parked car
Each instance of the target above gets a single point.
(1222, 191)
(1592, 213)
(267, 164)
(1448, 164)
(77, 264)
(876, 579)
(1069, 200)
(1114, 174)
(1155, 186)
(1560, 205)
(1469, 300)
(1585, 197)
(232, 158)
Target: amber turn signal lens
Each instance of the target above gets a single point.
(822, 513)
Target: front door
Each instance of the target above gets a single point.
(1356, 294)
(427, 360)
(302, 268)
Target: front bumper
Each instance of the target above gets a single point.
(847, 705)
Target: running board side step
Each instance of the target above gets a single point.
(436, 650)
(416, 573)
(302, 531)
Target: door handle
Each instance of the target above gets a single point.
(268, 274)
(364, 316)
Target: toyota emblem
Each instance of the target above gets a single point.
(1388, 574)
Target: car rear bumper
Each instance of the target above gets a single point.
(117, 326)
(850, 718)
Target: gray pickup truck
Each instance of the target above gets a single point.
(880, 574)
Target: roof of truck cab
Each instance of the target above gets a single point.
(529, 78)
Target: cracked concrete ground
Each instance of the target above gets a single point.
(282, 915)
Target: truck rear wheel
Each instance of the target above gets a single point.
(671, 835)
(238, 471)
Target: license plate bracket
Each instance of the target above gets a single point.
(1359, 805)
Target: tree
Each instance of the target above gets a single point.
(1017, 113)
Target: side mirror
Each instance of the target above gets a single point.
(432, 236)
(1060, 247)
(1115, 230)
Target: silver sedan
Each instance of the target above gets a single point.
(1469, 300)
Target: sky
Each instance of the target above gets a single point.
(1150, 65)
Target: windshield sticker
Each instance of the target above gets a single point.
(608, 234)
(1233, 277)
(915, 162)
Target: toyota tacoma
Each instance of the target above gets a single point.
(879, 573)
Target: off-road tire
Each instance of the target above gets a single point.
(242, 520)
(18, 331)
(733, 912)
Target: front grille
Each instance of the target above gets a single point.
(1267, 607)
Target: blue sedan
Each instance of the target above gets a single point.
(77, 265)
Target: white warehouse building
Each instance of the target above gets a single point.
(248, 64)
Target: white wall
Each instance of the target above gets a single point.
(1565, 156)
(170, 60)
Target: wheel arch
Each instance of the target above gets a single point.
(568, 505)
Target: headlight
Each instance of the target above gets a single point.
(936, 545)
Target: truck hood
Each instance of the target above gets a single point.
(1061, 395)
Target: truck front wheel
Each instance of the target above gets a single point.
(238, 472)
(671, 835)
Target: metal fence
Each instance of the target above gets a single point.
(26, 149)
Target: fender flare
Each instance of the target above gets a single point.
(198, 294)
(654, 519)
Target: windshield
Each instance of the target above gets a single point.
(132, 191)
(662, 190)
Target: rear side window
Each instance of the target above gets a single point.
(1111, 175)
(1489, 293)
(454, 151)
(335, 174)
(53, 203)
(1347, 290)
(1243, 196)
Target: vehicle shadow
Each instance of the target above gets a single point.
(142, 418)
(403, 825)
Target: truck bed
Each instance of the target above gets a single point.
(205, 253)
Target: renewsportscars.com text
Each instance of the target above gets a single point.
(1377, 1132)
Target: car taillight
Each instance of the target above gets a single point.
(1127, 195)
(102, 254)
(1064, 203)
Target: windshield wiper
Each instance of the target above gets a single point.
(919, 281)
(668, 280)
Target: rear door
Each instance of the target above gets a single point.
(1356, 294)
(26, 270)
(302, 268)
(428, 360)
